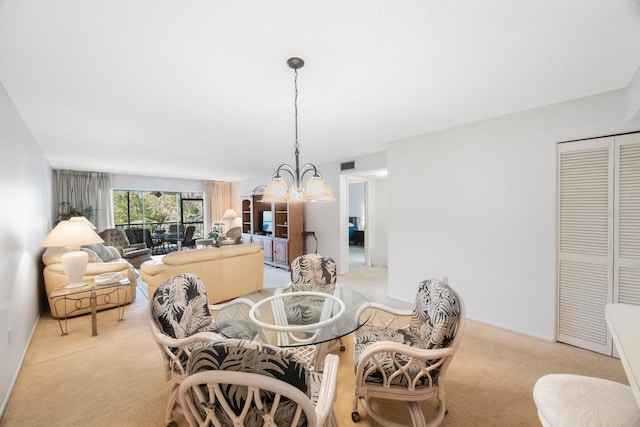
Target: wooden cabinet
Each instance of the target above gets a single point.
(280, 252)
(247, 222)
(277, 227)
(266, 243)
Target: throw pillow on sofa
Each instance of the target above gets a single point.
(93, 257)
(101, 251)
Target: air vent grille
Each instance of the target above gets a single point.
(347, 166)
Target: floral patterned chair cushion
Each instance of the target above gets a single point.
(306, 310)
(240, 328)
(435, 315)
(310, 273)
(180, 307)
(248, 356)
(313, 268)
(433, 325)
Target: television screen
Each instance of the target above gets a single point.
(267, 221)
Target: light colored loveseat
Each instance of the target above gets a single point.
(227, 272)
(102, 259)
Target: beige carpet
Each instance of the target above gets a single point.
(116, 378)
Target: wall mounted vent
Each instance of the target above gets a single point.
(347, 165)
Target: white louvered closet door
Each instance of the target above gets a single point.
(598, 235)
(626, 276)
(585, 240)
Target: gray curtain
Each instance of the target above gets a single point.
(83, 190)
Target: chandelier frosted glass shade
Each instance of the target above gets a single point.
(316, 189)
(276, 191)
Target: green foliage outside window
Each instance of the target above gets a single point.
(156, 210)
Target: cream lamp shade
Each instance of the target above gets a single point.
(84, 220)
(230, 214)
(72, 235)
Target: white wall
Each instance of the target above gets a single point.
(633, 97)
(25, 219)
(482, 199)
(378, 225)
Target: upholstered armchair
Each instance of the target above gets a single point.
(136, 254)
(404, 355)
(180, 321)
(234, 382)
(232, 237)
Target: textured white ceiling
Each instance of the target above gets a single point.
(200, 88)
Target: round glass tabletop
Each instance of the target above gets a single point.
(291, 318)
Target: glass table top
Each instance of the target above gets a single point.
(290, 319)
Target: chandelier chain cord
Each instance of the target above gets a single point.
(295, 103)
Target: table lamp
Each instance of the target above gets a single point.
(229, 214)
(83, 220)
(72, 235)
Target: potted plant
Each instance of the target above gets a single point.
(216, 232)
(66, 211)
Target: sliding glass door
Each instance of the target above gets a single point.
(157, 210)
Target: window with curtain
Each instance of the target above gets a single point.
(85, 192)
(156, 210)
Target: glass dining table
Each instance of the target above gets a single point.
(292, 319)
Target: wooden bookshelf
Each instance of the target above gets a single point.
(283, 242)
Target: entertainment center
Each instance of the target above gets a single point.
(276, 227)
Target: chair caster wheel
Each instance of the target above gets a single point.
(355, 417)
(342, 348)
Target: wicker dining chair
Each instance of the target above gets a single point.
(180, 321)
(238, 382)
(404, 355)
(311, 273)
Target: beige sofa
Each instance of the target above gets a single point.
(102, 259)
(227, 272)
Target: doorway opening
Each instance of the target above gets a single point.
(357, 224)
(363, 211)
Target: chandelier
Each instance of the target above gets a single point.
(316, 190)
